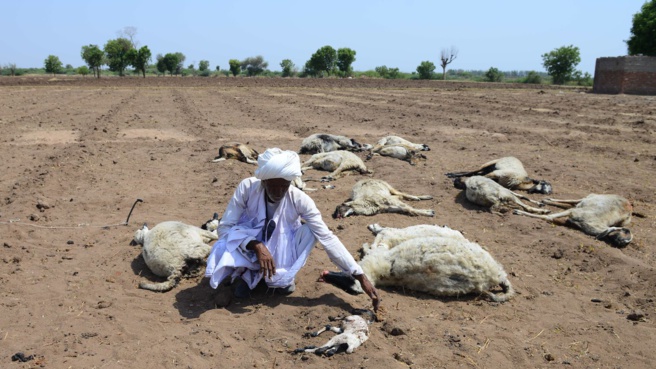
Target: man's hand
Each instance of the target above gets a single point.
(369, 289)
(267, 266)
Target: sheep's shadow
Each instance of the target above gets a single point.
(469, 297)
(461, 199)
(192, 302)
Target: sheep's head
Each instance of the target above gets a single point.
(425, 147)
(617, 236)
(140, 235)
(342, 211)
(459, 183)
(212, 224)
(342, 281)
(356, 146)
(541, 186)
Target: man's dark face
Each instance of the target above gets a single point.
(276, 188)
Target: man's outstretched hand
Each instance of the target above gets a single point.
(369, 289)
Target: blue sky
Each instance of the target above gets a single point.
(508, 35)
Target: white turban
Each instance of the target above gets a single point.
(276, 163)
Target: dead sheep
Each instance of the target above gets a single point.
(510, 173)
(351, 334)
(323, 142)
(237, 151)
(396, 140)
(374, 196)
(399, 148)
(173, 249)
(339, 163)
(602, 216)
(487, 193)
(427, 258)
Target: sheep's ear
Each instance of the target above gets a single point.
(215, 216)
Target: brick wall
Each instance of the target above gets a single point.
(625, 75)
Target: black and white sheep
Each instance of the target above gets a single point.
(427, 258)
(351, 334)
(373, 196)
(510, 173)
(338, 162)
(237, 151)
(324, 142)
(173, 249)
(602, 216)
(487, 193)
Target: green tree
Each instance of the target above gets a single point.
(425, 70)
(117, 53)
(387, 73)
(533, 77)
(93, 56)
(345, 57)
(171, 63)
(560, 63)
(11, 67)
(83, 70)
(181, 59)
(160, 65)
(52, 64)
(235, 67)
(203, 65)
(322, 61)
(254, 65)
(218, 68)
(493, 75)
(139, 59)
(643, 31)
(287, 68)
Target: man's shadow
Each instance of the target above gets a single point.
(192, 302)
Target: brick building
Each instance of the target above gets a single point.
(625, 75)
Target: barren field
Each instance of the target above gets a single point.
(76, 153)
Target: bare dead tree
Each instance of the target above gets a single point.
(129, 32)
(446, 57)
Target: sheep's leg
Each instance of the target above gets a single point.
(518, 195)
(250, 161)
(406, 196)
(565, 204)
(486, 168)
(528, 208)
(407, 209)
(550, 217)
(218, 159)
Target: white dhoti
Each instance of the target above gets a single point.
(289, 259)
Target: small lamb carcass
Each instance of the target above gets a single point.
(427, 258)
(487, 193)
(324, 142)
(173, 249)
(352, 333)
(237, 151)
(373, 196)
(602, 216)
(510, 173)
(338, 162)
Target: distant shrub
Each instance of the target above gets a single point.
(493, 75)
(533, 77)
(205, 73)
(582, 79)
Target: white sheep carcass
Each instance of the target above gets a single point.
(239, 151)
(399, 148)
(487, 193)
(351, 334)
(373, 196)
(427, 258)
(510, 173)
(173, 249)
(602, 216)
(324, 142)
(338, 162)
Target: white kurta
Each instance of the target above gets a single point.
(290, 244)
